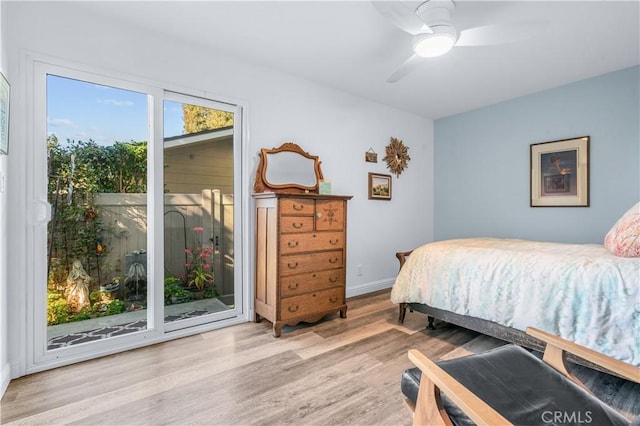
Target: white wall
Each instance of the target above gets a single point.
(4, 164)
(336, 126)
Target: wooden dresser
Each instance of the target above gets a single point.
(301, 257)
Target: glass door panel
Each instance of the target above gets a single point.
(199, 210)
(97, 236)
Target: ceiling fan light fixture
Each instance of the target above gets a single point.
(436, 44)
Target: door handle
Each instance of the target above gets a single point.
(41, 212)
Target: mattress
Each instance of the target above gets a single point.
(580, 292)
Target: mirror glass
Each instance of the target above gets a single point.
(290, 168)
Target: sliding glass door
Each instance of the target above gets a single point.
(138, 233)
(199, 260)
(97, 279)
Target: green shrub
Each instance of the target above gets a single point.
(58, 309)
(115, 307)
(173, 289)
(210, 292)
(83, 314)
(95, 296)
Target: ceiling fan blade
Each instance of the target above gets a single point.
(402, 17)
(491, 35)
(405, 68)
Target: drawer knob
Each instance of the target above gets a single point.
(297, 225)
(319, 215)
(333, 260)
(298, 206)
(292, 286)
(293, 308)
(292, 265)
(292, 244)
(333, 279)
(333, 299)
(334, 242)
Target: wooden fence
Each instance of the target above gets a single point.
(124, 217)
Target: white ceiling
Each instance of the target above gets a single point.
(351, 47)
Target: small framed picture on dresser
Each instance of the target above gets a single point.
(379, 186)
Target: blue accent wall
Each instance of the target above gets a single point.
(481, 162)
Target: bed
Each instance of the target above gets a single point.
(581, 292)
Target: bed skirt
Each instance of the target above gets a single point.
(489, 328)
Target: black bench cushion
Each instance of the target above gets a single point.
(521, 387)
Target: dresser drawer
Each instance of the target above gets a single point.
(296, 243)
(311, 281)
(317, 301)
(296, 224)
(329, 215)
(297, 264)
(297, 206)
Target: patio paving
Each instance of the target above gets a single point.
(74, 333)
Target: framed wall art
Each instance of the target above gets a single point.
(4, 114)
(379, 186)
(371, 156)
(560, 173)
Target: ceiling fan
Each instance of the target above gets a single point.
(434, 33)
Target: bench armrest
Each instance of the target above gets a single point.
(474, 407)
(557, 346)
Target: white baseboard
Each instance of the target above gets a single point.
(5, 378)
(369, 287)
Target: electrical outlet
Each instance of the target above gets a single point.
(360, 268)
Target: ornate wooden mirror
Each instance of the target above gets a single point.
(287, 168)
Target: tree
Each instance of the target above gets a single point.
(93, 168)
(197, 118)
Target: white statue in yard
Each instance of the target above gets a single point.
(78, 285)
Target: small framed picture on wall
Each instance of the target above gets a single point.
(379, 186)
(560, 173)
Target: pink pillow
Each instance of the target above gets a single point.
(623, 239)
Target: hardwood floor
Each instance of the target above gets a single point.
(338, 371)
